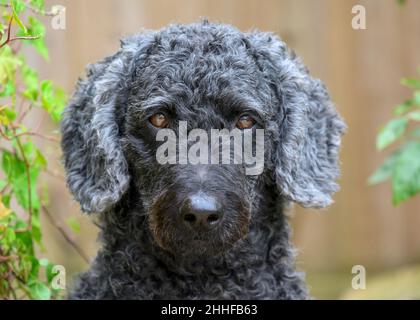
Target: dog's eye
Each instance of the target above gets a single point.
(245, 122)
(159, 120)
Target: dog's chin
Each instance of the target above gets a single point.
(192, 244)
(198, 249)
(194, 249)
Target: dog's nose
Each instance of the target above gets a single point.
(201, 211)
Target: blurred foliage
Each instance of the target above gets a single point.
(402, 166)
(22, 273)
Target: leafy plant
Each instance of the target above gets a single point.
(22, 273)
(402, 166)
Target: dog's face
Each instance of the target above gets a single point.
(191, 208)
(194, 208)
(200, 77)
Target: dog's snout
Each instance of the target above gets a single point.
(201, 211)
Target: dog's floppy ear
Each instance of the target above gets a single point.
(309, 136)
(97, 173)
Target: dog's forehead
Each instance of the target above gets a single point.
(202, 76)
(198, 69)
(202, 108)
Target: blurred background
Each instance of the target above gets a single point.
(361, 68)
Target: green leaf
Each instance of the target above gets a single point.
(43, 262)
(8, 89)
(411, 83)
(36, 229)
(385, 170)
(12, 166)
(49, 272)
(47, 94)
(417, 98)
(415, 115)
(39, 291)
(10, 113)
(39, 4)
(17, 7)
(404, 107)
(34, 269)
(53, 99)
(73, 224)
(10, 236)
(15, 170)
(406, 174)
(26, 239)
(393, 130)
(6, 199)
(9, 63)
(7, 115)
(39, 160)
(30, 79)
(37, 29)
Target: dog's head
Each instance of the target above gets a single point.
(146, 121)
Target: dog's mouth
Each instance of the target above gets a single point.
(200, 225)
(196, 245)
(202, 243)
(182, 243)
(199, 238)
(200, 248)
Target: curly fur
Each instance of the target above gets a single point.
(204, 73)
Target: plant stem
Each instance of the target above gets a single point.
(33, 9)
(65, 235)
(28, 178)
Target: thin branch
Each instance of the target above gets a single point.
(29, 133)
(24, 113)
(18, 38)
(65, 235)
(9, 29)
(4, 189)
(5, 136)
(22, 230)
(39, 135)
(38, 126)
(55, 174)
(6, 258)
(50, 13)
(22, 284)
(21, 103)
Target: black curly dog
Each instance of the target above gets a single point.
(184, 231)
